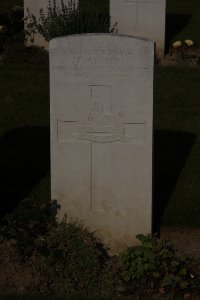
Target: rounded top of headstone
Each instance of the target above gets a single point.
(61, 39)
(102, 55)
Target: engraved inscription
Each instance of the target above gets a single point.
(81, 53)
(98, 128)
(100, 138)
(111, 62)
(98, 70)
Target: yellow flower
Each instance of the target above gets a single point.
(177, 44)
(189, 43)
(2, 28)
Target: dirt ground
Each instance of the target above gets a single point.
(18, 277)
(185, 240)
(186, 57)
(15, 276)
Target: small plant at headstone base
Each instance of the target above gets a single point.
(71, 259)
(66, 257)
(25, 225)
(185, 52)
(66, 20)
(181, 48)
(155, 264)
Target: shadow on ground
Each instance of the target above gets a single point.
(174, 24)
(24, 161)
(171, 149)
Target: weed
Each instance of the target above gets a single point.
(155, 264)
(66, 20)
(69, 257)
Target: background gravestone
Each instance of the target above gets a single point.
(34, 7)
(101, 89)
(143, 18)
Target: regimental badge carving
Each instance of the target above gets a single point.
(101, 127)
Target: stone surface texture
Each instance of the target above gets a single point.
(101, 90)
(143, 18)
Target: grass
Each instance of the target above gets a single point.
(31, 297)
(24, 126)
(5, 5)
(39, 297)
(183, 20)
(101, 6)
(177, 144)
(24, 92)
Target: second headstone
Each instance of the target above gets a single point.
(142, 18)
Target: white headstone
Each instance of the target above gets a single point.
(101, 89)
(143, 18)
(34, 7)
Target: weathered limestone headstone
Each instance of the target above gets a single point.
(34, 7)
(101, 89)
(143, 18)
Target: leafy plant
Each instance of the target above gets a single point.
(71, 257)
(155, 262)
(68, 257)
(27, 225)
(11, 26)
(185, 52)
(66, 20)
(15, 16)
(3, 36)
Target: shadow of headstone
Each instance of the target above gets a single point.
(174, 24)
(171, 149)
(24, 161)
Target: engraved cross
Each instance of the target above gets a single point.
(102, 129)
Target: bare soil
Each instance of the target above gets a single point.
(15, 276)
(18, 276)
(182, 56)
(185, 240)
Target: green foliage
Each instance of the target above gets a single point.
(5, 6)
(29, 221)
(12, 26)
(71, 258)
(3, 37)
(66, 20)
(18, 53)
(155, 263)
(15, 16)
